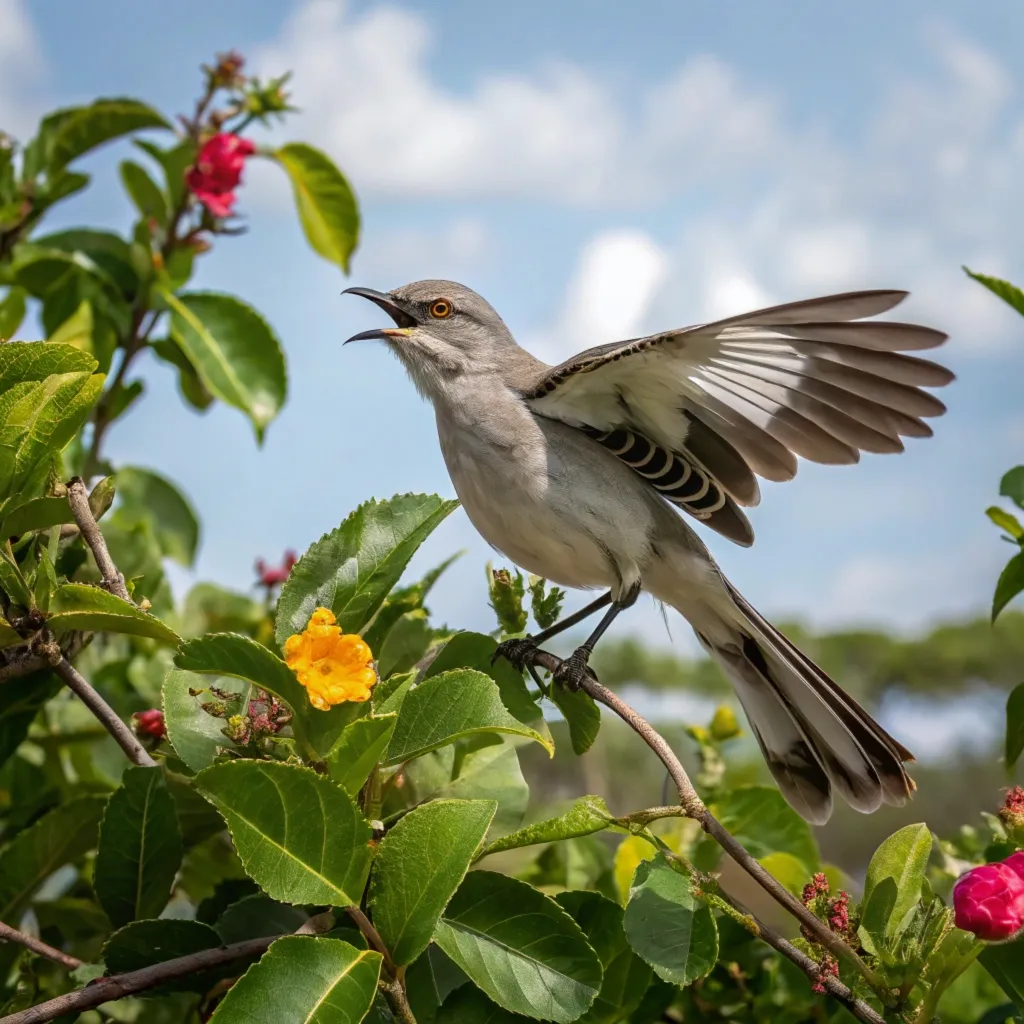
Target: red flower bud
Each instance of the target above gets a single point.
(270, 575)
(217, 172)
(989, 900)
(150, 723)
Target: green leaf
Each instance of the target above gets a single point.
(325, 202)
(36, 514)
(234, 351)
(1009, 293)
(1012, 486)
(228, 654)
(175, 161)
(1006, 965)
(43, 421)
(351, 569)
(144, 943)
(670, 927)
(476, 650)
(1014, 745)
(581, 714)
(447, 707)
(360, 746)
(787, 869)
(764, 823)
(22, 361)
(1010, 584)
(19, 705)
(84, 128)
(257, 915)
(81, 606)
(587, 815)
(9, 636)
(193, 733)
(406, 643)
(1005, 521)
(902, 857)
(93, 250)
(145, 496)
(12, 312)
(520, 947)
(300, 837)
(59, 837)
(419, 865)
(144, 192)
(140, 848)
(304, 980)
(626, 976)
(468, 1005)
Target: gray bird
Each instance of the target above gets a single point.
(575, 472)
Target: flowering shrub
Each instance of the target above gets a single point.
(326, 818)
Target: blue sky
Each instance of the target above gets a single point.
(595, 172)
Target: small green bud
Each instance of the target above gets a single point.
(724, 725)
(507, 599)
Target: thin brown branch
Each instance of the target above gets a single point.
(109, 718)
(16, 662)
(78, 498)
(103, 990)
(371, 935)
(9, 934)
(695, 808)
(393, 988)
(394, 993)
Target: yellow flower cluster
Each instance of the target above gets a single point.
(333, 666)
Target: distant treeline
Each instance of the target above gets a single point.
(950, 657)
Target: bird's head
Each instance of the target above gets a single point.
(442, 330)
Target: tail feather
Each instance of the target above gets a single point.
(814, 736)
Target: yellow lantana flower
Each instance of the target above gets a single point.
(333, 666)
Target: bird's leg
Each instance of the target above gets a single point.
(573, 670)
(517, 651)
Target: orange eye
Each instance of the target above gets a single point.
(440, 309)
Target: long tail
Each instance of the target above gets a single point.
(814, 736)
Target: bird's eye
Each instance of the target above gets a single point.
(440, 309)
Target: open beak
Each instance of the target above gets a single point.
(404, 322)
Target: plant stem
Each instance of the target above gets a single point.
(9, 934)
(78, 498)
(694, 808)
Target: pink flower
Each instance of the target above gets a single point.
(989, 900)
(150, 723)
(217, 172)
(270, 575)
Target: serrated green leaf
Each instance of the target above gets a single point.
(582, 716)
(300, 837)
(144, 943)
(35, 514)
(764, 823)
(1012, 486)
(84, 607)
(667, 925)
(19, 705)
(255, 916)
(146, 496)
(626, 975)
(587, 815)
(419, 865)
(144, 192)
(902, 857)
(229, 654)
(1009, 585)
(360, 746)
(59, 837)
(82, 129)
(520, 947)
(304, 980)
(447, 707)
(234, 351)
(194, 734)
(325, 202)
(91, 249)
(468, 1005)
(12, 312)
(1009, 293)
(351, 569)
(140, 848)
(1014, 744)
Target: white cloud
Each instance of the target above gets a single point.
(21, 67)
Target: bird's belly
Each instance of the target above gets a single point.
(549, 521)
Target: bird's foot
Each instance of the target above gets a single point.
(518, 652)
(573, 670)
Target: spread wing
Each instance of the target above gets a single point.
(702, 411)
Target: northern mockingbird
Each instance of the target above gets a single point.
(576, 473)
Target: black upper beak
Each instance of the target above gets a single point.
(390, 306)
